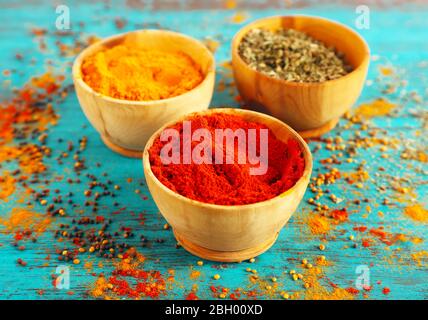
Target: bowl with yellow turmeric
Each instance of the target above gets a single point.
(131, 84)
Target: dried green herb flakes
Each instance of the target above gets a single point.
(291, 55)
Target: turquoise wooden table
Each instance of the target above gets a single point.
(70, 209)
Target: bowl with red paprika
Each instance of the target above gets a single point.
(227, 180)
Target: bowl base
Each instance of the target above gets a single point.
(317, 132)
(224, 256)
(122, 151)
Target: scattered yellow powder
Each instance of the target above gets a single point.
(195, 274)
(318, 224)
(29, 157)
(416, 240)
(360, 175)
(386, 71)
(22, 219)
(316, 291)
(100, 287)
(422, 156)
(420, 257)
(377, 108)
(88, 265)
(417, 213)
(128, 73)
(265, 287)
(7, 187)
(322, 261)
(239, 17)
(129, 264)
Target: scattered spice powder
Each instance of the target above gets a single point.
(377, 108)
(129, 73)
(318, 224)
(360, 228)
(20, 220)
(340, 215)
(386, 71)
(366, 243)
(317, 291)
(230, 184)
(239, 17)
(417, 213)
(29, 109)
(420, 257)
(192, 296)
(291, 55)
(7, 187)
(417, 155)
(29, 157)
(387, 237)
(195, 274)
(129, 279)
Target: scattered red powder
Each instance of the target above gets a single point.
(340, 215)
(234, 296)
(360, 229)
(130, 279)
(192, 296)
(367, 288)
(387, 237)
(353, 291)
(230, 184)
(366, 243)
(379, 232)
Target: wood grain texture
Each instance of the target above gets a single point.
(396, 37)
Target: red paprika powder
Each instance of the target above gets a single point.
(229, 184)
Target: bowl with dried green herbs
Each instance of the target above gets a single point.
(306, 71)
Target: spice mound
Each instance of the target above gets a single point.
(291, 55)
(233, 182)
(128, 73)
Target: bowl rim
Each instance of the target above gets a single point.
(78, 79)
(247, 27)
(305, 148)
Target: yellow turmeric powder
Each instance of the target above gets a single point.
(417, 212)
(128, 73)
(316, 290)
(318, 224)
(23, 219)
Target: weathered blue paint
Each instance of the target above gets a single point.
(399, 37)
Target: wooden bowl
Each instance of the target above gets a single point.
(124, 125)
(229, 233)
(310, 108)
